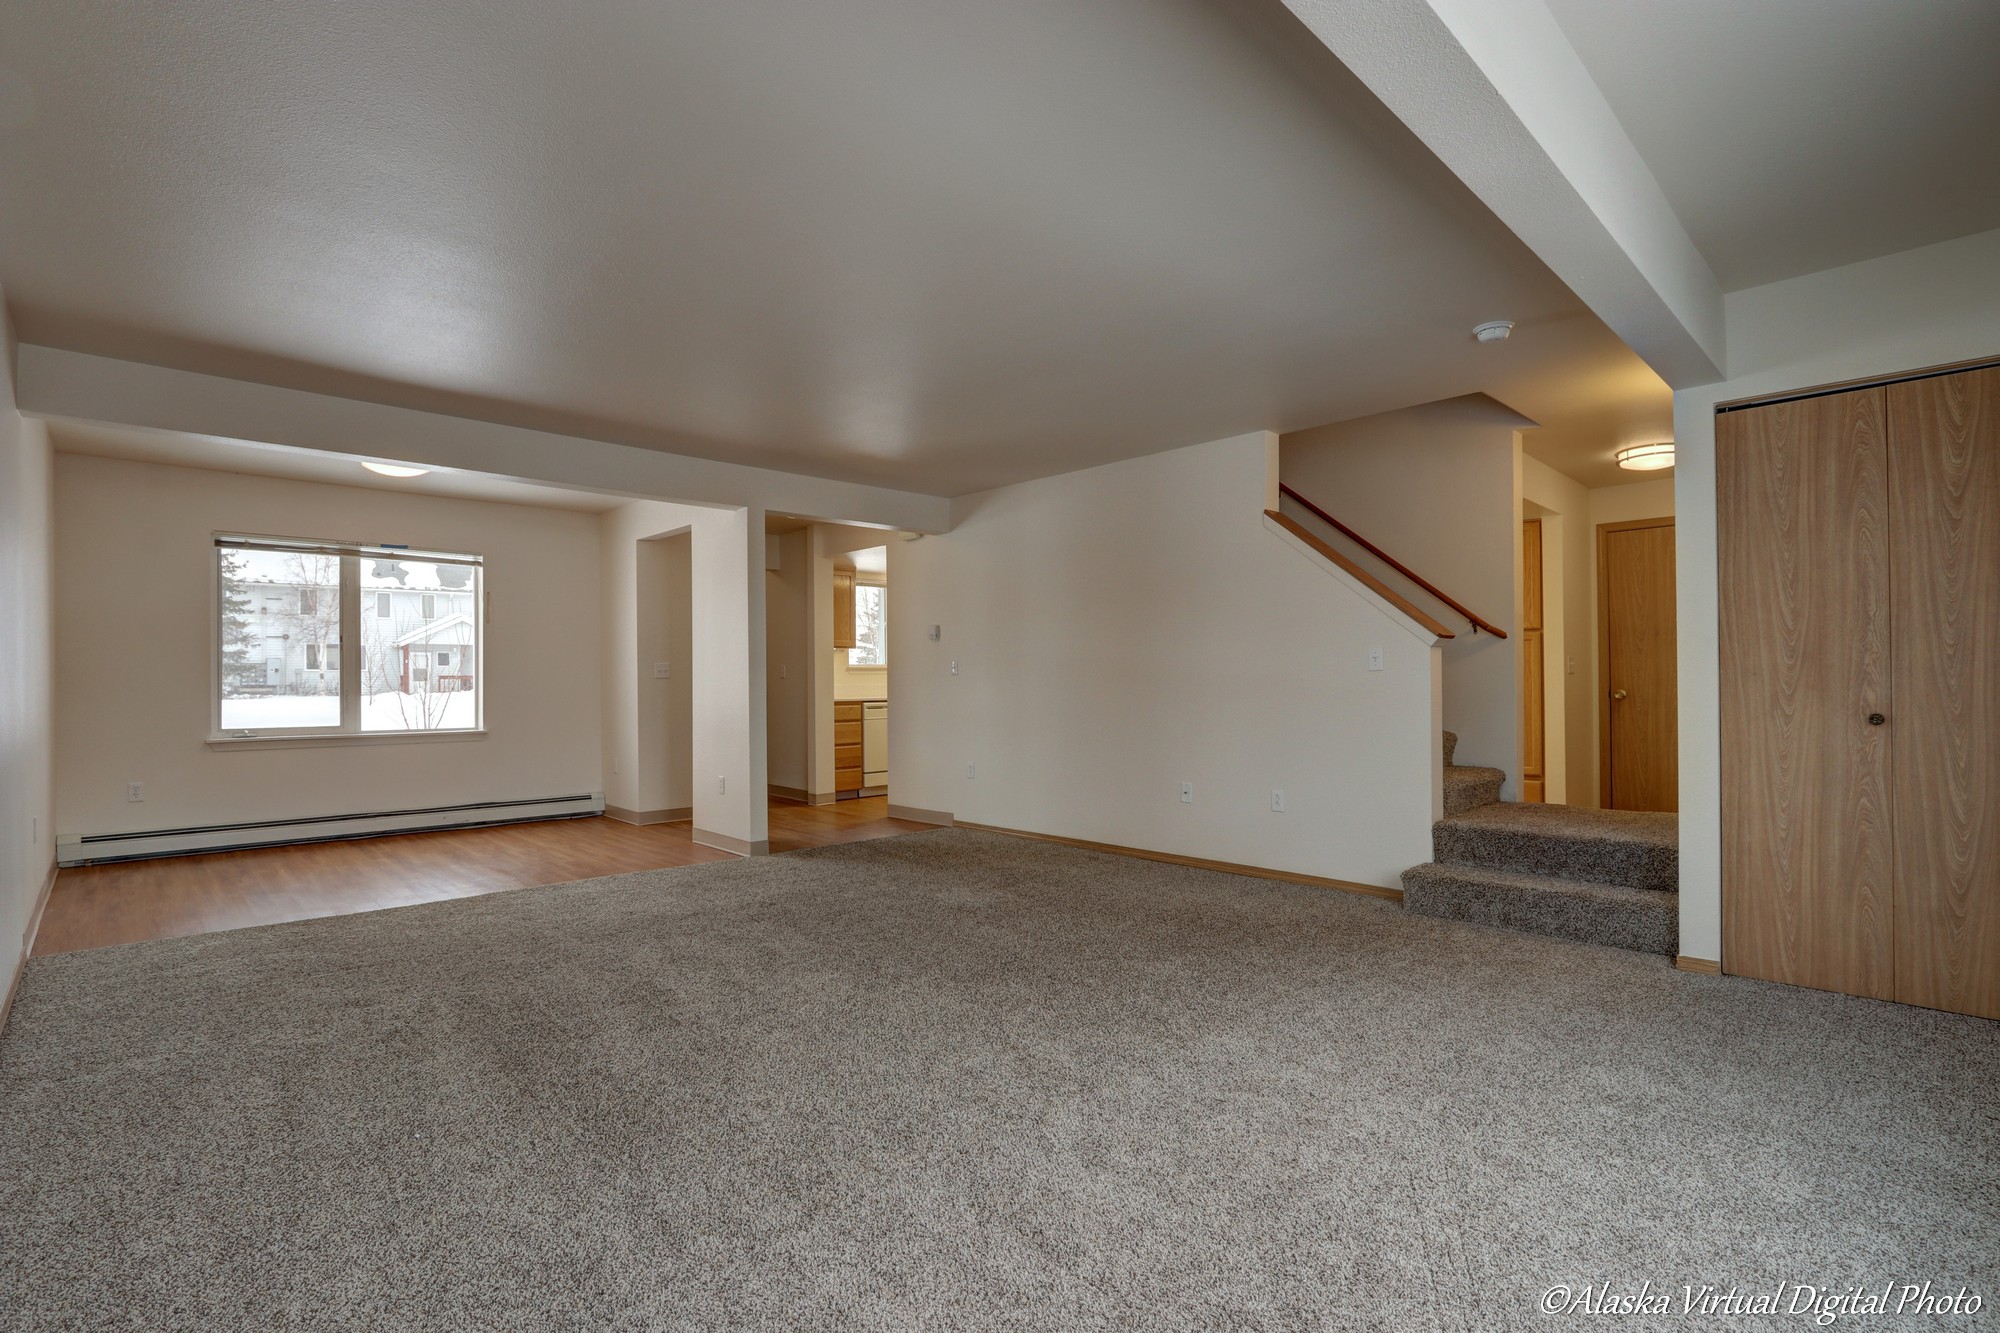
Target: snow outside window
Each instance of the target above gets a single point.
(871, 626)
(285, 608)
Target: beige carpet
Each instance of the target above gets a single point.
(955, 1080)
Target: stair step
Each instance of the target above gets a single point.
(1450, 747)
(1647, 920)
(1468, 788)
(1628, 848)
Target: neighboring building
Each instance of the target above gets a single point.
(419, 632)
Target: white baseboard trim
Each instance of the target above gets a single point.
(624, 816)
(918, 815)
(725, 843)
(87, 849)
(27, 945)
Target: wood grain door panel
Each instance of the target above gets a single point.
(1807, 869)
(1640, 711)
(1944, 513)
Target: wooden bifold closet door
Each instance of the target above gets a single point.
(1860, 655)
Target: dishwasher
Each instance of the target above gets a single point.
(874, 745)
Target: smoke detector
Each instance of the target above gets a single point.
(1493, 330)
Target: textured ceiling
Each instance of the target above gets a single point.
(1797, 135)
(938, 246)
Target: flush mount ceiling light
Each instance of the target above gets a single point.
(1646, 457)
(395, 469)
(1493, 330)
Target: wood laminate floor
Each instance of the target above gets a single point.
(92, 906)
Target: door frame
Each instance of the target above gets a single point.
(1604, 530)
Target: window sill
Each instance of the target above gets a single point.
(277, 742)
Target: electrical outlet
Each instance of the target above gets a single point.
(954, 666)
(721, 785)
(784, 673)
(1375, 658)
(135, 791)
(937, 632)
(1277, 801)
(1572, 664)
(663, 671)
(972, 770)
(1187, 793)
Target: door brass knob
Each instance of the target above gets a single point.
(1876, 719)
(1618, 694)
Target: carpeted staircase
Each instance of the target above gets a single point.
(1599, 876)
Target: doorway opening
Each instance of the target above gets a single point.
(827, 660)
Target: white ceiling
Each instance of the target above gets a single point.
(276, 460)
(1796, 135)
(940, 246)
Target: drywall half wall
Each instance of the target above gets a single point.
(1107, 635)
(1929, 307)
(27, 836)
(1437, 488)
(134, 629)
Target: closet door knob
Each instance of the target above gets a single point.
(1876, 719)
(1618, 694)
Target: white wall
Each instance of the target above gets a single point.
(1436, 487)
(1632, 501)
(1120, 630)
(1927, 307)
(788, 668)
(27, 841)
(727, 673)
(135, 577)
(649, 619)
(1563, 506)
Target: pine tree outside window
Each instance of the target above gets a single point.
(297, 656)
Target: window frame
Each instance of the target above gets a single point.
(351, 620)
(881, 586)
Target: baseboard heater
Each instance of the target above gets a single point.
(93, 848)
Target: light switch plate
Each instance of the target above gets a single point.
(663, 671)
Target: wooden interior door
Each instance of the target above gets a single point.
(1639, 710)
(1944, 614)
(1807, 868)
(1534, 731)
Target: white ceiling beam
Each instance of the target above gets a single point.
(1496, 91)
(53, 383)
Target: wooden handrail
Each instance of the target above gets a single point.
(1478, 622)
(1375, 585)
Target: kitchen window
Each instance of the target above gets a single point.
(295, 656)
(871, 626)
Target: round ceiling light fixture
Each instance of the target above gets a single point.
(395, 469)
(1646, 457)
(1493, 330)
